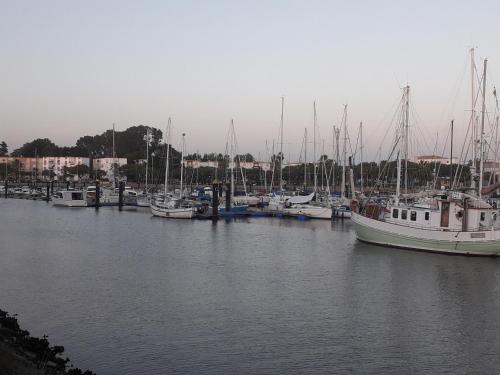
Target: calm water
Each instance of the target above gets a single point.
(127, 293)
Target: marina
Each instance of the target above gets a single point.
(139, 294)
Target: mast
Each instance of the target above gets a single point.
(265, 169)
(314, 150)
(451, 155)
(147, 157)
(305, 158)
(182, 162)
(481, 143)
(406, 140)
(344, 153)
(281, 146)
(231, 152)
(113, 155)
(361, 154)
(167, 143)
(472, 117)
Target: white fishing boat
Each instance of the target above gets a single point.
(455, 222)
(69, 198)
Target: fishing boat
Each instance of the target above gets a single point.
(69, 198)
(450, 221)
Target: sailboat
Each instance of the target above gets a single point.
(167, 206)
(342, 206)
(449, 221)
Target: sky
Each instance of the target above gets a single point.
(73, 68)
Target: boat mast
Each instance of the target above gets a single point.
(231, 152)
(406, 140)
(114, 161)
(451, 156)
(314, 150)
(305, 158)
(481, 143)
(147, 157)
(361, 154)
(182, 162)
(472, 117)
(167, 143)
(281, 146)
(265, 169)
(344, 153)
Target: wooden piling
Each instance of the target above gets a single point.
(6, 186)
(97, 195)
(228, 197)
(215, 202)
(120, 195)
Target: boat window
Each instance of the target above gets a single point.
(395, 213)
(77, 196)
(426, 216)
(483, 216)
(413, 215)
(404, 214)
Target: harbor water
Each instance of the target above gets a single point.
(128, 293)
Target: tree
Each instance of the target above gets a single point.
(4, 150)
(40, 147)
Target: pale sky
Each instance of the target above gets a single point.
(73, 68)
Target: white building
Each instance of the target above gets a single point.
(435, 159)
(106, 164)
(266, 166)
(57, 163)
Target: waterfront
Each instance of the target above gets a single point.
(127, 293)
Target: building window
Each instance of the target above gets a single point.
(395, 213)
(413, 215)
(426, 216)
(404, 214)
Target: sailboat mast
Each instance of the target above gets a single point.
(281, 146)
(182, 163)
(451, 156)
(231, 139)
(406, 140)
(114, 161)
(481, 144)
(167, 143)
(361, 155)
(472, 117)
(344, 154)
(265, 169)
(305, 158)
(147, 158)
(314, 150)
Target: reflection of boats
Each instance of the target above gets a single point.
(69, 198)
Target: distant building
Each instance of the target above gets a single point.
(23, 164)
(266, 166)
(106, 164)
(435, 159)
(56, 164)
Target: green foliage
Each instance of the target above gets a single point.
(4, 150)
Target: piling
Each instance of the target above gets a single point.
(215, 202)
(47, 195)
(228, 197)
(6, 186)
(67, 185)
(97, 195)
(120, 195)
(52, 187)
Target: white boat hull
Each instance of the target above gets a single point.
(174, 213)
(485, 243)
(311, 212)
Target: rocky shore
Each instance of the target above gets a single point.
(22, 354)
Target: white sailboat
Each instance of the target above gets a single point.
(167, 206)
(449, 222)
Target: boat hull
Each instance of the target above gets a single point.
(173, 213)
(324, 213)
(480, 243)
(75, 203)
